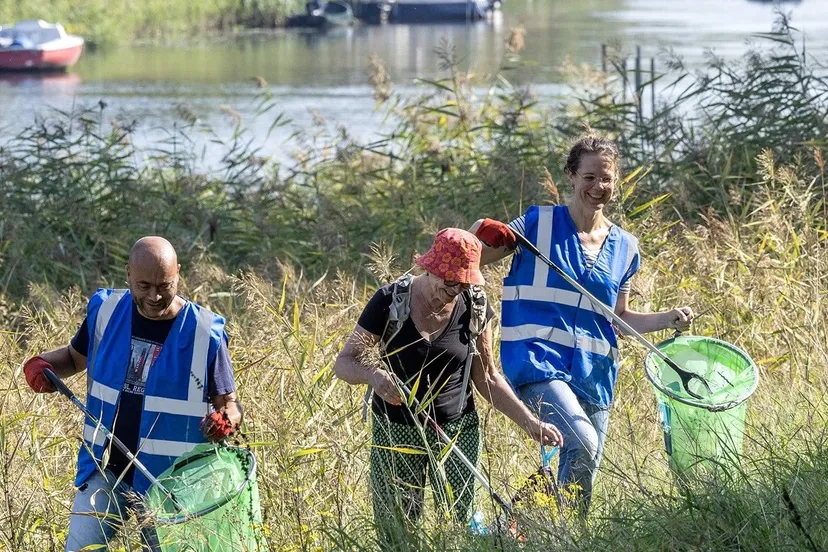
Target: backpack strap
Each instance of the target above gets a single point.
(398, 312)
(478, 304)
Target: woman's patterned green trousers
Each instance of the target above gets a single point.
(402, 455)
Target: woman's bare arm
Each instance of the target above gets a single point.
(352, 366)
(644, 322)
(490, 383)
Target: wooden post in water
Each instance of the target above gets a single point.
(624, 81)
(652, 87)
(604, 58)
(638, 81)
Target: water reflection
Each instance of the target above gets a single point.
(43, 83)
(327, 71)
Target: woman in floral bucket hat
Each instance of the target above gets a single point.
(424, 325)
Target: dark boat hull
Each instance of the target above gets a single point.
(370, 12)
(419, 12)
(306, 21)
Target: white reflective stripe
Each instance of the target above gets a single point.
(103, 392)
(544, 244)
(89, 433)
(105, 313)
(597, 346)
(542, 293)
(530, 331)
(556, 335)
(101, 322)
(176, 406)
(586, 304)
(201, 349)
(160, 447)
(558, 296)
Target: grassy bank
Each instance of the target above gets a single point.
(725, 189)
(312, 447)
(109, 22)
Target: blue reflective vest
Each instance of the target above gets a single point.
(549, 330)
(175, 399)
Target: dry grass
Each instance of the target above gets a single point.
(312, 446)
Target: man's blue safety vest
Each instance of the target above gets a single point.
(549, 330)
(175, 399)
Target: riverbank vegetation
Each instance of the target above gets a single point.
(724, 185)
(112, 22)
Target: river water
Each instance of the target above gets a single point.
(323, 76)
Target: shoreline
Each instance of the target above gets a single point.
(216, 36)
(112, 23)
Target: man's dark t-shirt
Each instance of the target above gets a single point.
(148, 337)
(438, 364)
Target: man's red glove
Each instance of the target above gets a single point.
(216, 426)
(37, 380)
(496, 234)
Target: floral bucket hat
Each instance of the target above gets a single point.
(454, 256)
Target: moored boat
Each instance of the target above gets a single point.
(324, 14)
(38, 45)
(422, 11)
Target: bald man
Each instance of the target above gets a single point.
(159, 378)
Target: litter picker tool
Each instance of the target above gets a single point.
(685, 376)
(65, 391)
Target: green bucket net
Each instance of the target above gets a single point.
(219, 499)
(706, 433)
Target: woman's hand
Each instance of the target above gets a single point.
(679, 319)
(544, 433)
(385, 387)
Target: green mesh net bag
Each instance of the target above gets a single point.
(217, 491)
(706, 433)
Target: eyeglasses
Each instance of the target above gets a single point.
(452, 283)
(592, 178)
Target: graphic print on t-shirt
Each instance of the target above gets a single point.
(142, 356)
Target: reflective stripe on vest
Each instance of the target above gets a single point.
(102, 392)
(561, 337)
(194, 405)
(560, 296)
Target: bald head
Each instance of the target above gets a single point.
(153, 250)
(152, 274)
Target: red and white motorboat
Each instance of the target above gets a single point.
(37, 45)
